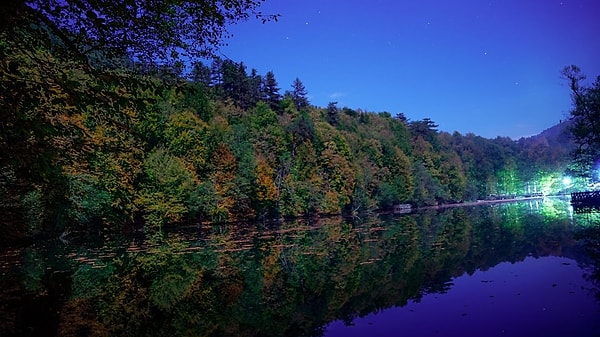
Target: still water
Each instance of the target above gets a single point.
(546, 296)
(515, 269)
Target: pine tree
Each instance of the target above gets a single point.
(234, 82)
(254, 88)
(270, 91)
(332, 113)
(201, 73)
(299, 94)
(216, 76)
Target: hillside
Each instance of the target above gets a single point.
(557, 136)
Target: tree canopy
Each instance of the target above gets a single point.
(151, 31)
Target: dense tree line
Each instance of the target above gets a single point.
(85, 142)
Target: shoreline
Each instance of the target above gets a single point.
(477, 203)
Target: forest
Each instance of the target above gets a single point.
(107, 141)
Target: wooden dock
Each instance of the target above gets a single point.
(585, 198)
(585, 202)
(402, 208)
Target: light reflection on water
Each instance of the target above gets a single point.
(546, 296)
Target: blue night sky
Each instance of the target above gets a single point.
(487, 67)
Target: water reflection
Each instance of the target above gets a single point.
(287, 279)
(544, 296)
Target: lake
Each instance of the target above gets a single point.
(512, 269)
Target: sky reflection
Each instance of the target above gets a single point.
(546, 296)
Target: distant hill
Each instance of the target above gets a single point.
(557, 137)
(548, 151)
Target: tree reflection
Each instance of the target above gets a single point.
(292, 279)
(589, 235)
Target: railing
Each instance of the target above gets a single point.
(585, 198)
(402, 208)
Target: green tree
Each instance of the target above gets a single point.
(586, 120)
(425, 128)
(270, 91)
(452, 176)
(302, 129)
(427, 190)
(167, 190)
(400, 179)
(332, 113)
(216, 73)
(267, 134)
(185, 137)
(88, 202)
(339, 177)
(299, 94)
(254, 83)
(235, 85)
(201, 73)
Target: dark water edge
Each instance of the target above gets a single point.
(293, 279)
